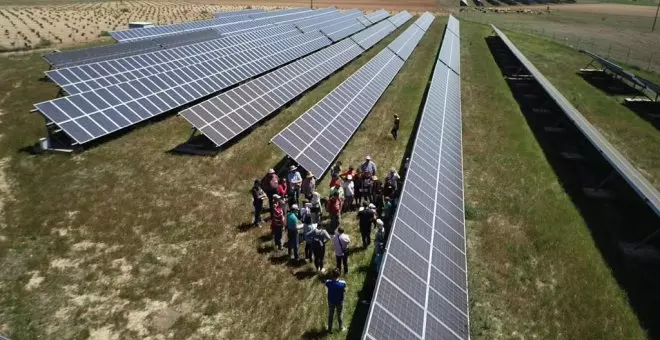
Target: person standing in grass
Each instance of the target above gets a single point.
(336, 289)
(295, 182)
(277, 221)
(395, 127)
(308, 232)
(349, 193)
(308, 186)
(269, 185)
(341, 241)
(319, 238)
(258, 196)
(316, 207)
(365, 217)
(334, 209)
(379, 243)
(377, 195)
(292, 231)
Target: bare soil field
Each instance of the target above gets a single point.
(617, 9)
(40, 26)
(411, 6)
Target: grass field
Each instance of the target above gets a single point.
(127, 240)
(534, 270)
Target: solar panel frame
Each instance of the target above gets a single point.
(400, 18)
(131, 102)
(417, 247)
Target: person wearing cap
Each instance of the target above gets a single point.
(295, 181)
(258, 197)
(269, 184)
(308, 186)
(292, 231)
(395, 127)
(365, 217)
(334, 209)
(277, 221)
(349, 193)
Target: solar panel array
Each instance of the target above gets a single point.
(222, 118)
(377, 16)
(422, 290)
(108, 52)
(348, 16)
(239, 12)
(317, 136)
(618, 70)
(87, 77)
(400, 18)
(450, 50)
(647, 192)
(96, 113)
(225, 24)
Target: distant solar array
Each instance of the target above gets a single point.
(422, 290)
(317, 136)
(93, 76)
(96, 113)
(239, 12)
(348, 16)
(628, 172)
(226, 24)
(222, 118)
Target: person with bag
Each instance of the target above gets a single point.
(258, 196)
(341, 241)
(319, 238)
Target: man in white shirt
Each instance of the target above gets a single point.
(295, 182)
(341, 241)
(349, 192)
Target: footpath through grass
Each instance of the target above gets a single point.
(534, 270)
(128, 241)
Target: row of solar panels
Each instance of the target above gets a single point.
(227, 115)
(422, 292)
(315, 139)
(619, 71)
(115, 94)
(305, 20)
(628, 172)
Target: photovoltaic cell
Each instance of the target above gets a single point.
(316, 137)
(366, 39)
(401, 18)
(103, 74)
(239, 12)
(431, 206)
(425, 21)
(82, 116)
(346, 17)
(377, 16)
(450, 52)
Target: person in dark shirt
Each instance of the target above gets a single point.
(366, 217)
(258, 197)
(395, 127)
(336, 290)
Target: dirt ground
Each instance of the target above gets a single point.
(411, 6)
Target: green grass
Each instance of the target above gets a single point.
(133, 241)
(534, 270)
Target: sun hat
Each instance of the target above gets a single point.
(277, 196)
(372, 206)
(310, 175)
(271, 171)
(379, 222)
(349, 177)
(293, 167)
(368, 157)
(294, 207)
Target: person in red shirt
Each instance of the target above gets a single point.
(277, 222)
(282, 188)
(269, 184)
(351, 171)
(334, 209)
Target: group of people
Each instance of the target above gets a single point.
(351, 189)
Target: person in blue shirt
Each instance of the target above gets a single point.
(292, 231)
(336, 290)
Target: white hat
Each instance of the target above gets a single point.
(368, 157)
(349, 177)
(308, 204)
(277, 196)
(372, 206)
(380, 222)
(361, 208)
(294, 207)
(293, 167)
(271, 171)
(392, 170)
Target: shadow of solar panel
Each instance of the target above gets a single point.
(135, 101)
(103, 74)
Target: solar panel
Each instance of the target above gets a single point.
(377, 16)
(400, 18)
(402, 47)
(349, 16)
(217, 118)
(108, 52)
(224, 25)
(628, 172)
(317, 136)
(103, 74)
(421, 291)
(425, 21)
(649, 84)
(450, 51)
(93, 114)
(368, 38)
(239, 12)
(343, 29)
(453, 26)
